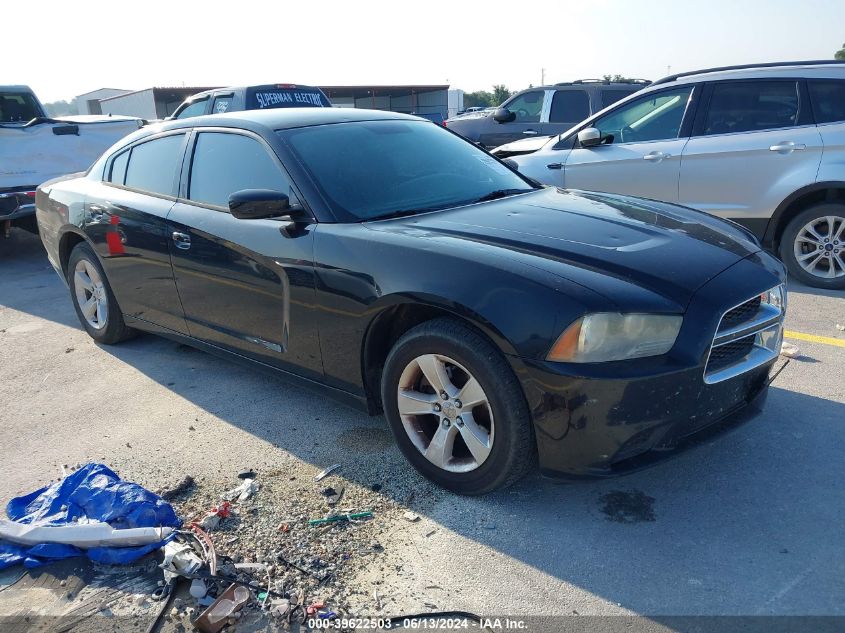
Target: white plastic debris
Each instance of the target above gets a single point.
(840, 327)
(82, 535)
(789, 350)
(242, 492)
(179, 559)
(198, 588)
(328, 471)
(411, 516)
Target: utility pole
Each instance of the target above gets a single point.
(542, 76)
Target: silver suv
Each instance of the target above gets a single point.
(763, 145)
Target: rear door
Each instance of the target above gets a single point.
(569, 107)
(245, 285)
(642, 152)
(126, 219)
(528, 110)
(754, 144)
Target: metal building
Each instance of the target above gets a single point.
(151, 103)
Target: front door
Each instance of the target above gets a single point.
(527, 109)
(245, 285)
(641, 153)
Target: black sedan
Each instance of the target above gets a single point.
(397, 266)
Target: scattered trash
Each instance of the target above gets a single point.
(328, 471)
(413, 517)
(840, 327)
(212, 519)
(279, 607)
(184, 485)
(430, 533)
(333, 496)
(789, 350)
(198, 588)
(342, 517)
(377, 598)
(375, 487)
(242, 492)
(247, 474)
(216, 616)
(180, 559)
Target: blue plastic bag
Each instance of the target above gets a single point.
(95, 493)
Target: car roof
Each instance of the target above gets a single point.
(817, 68)
(283, 118)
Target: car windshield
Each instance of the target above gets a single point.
(375, 169)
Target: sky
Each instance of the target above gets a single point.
(469, 44)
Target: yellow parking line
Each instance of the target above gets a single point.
(827, 340)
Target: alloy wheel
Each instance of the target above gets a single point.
(819, 247)
(445, 413)
(90, 293)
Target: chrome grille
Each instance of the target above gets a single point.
(749, 335)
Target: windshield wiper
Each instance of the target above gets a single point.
(500, 193)
(405, 213)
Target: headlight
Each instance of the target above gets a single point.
(607, 336)
(775, 297)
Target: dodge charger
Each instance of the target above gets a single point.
(497, 324)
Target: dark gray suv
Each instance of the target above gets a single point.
(542, 111)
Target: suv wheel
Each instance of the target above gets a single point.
(93, 299)
(456, 409)
(813, 246)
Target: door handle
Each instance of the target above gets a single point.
(554, 166)
(785, 147)
(530, 132)
(182, 240)
(656, 157)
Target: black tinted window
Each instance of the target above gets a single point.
(18, 107)
(197, 108)
(226, 163)
(746, 106)
(609, 96)
(828, 97)
(118, 168)
(153, 165)
(569, 106)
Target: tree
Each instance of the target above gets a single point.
(840, 54)
(478, 99)
(500, 94)
(617, 78)
(61, 108)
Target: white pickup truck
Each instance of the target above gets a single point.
(35, 148)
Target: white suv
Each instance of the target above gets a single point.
(763, 145)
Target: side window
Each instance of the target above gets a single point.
(656, 117)
(828, 97)
(226, 163)
(153, 165)
(221, 104)
(197, 108)
(527, 106)
(609, 96)
(569, 106)
(748, 106)
(118, 168)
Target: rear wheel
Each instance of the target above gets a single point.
(813, 246)
(456, 409)
(93, 299)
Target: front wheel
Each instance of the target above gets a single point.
(93, 299)
(813, 246)
(456, 409)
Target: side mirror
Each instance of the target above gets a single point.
(589, 137)
(503, 115)
(256, 204)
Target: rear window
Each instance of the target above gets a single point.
(569, 106)
(300, 97)
(828, 97)
(748, 106)
(18, 107)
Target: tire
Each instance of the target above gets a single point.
(508, 449)
(795, 243)
(103, 325)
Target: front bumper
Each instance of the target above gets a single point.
(15, 205)
(602, 427)
(603, 419)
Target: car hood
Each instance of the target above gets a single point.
(602, 241)
(522, 146)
